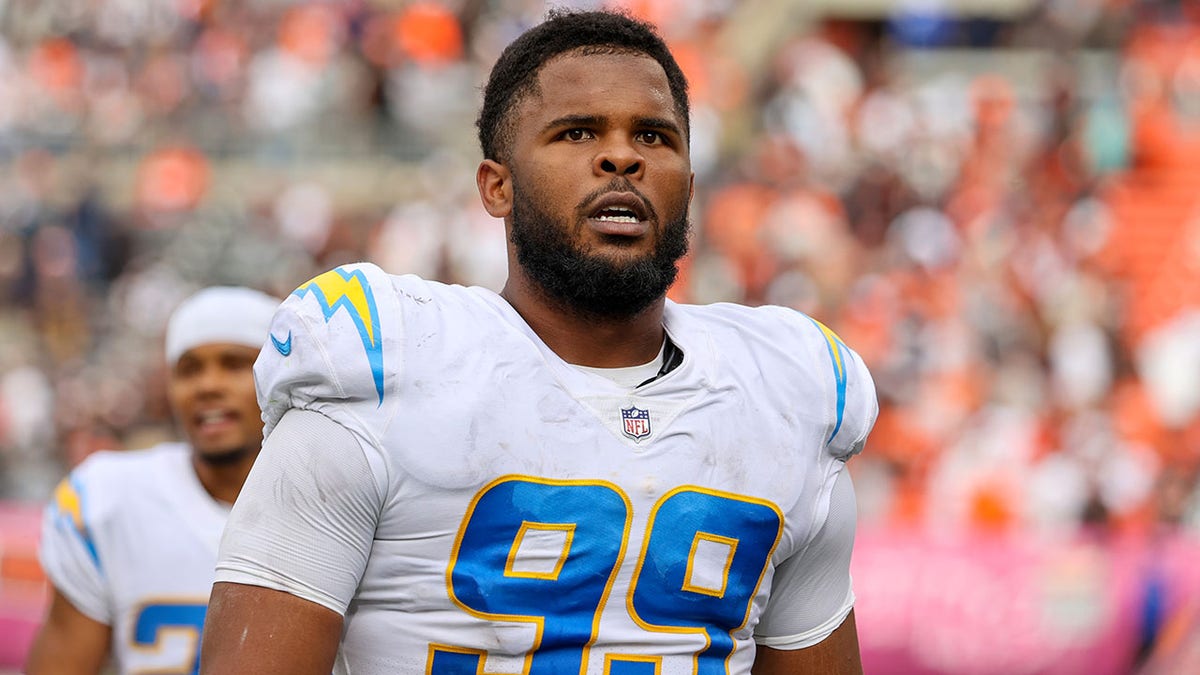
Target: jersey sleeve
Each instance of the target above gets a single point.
(304, 522)
(811, 593)
(68, 551)
(326, 349)
(852, 406)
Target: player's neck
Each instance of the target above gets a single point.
(223, 481)
(588, 340)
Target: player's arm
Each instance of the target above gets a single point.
(76, 636)
(251, 629)
(837, 654)
(293, 552)
(69, 642)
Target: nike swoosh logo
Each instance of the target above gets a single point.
(283, 347)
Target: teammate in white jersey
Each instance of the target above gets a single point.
(129, 540)
(573, 476)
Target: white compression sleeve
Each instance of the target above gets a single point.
(305, 521)
(812, 594)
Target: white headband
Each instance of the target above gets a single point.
(239, 316)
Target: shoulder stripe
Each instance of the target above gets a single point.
(68, 511)
(350, 290)
(837, 354)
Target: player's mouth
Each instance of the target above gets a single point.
(214, 421)
(620, 214)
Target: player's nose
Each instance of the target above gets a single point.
(619, 157)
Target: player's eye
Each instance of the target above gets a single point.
(576, 135)
(237, 362)
(186, 367)
(651, 138)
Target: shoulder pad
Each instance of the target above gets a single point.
(328, 343)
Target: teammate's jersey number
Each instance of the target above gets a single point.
(170, 631)
(547, 552)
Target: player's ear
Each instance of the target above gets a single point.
(495, 188)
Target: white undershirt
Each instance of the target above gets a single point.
(630, 377)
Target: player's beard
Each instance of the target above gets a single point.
(594, 285)
(226, 457)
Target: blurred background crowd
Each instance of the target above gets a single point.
(993, 201)
(996, 209)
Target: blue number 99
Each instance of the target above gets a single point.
(543, 552)
(546, 552)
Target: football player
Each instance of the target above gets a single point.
(574, 475)
(129, 540)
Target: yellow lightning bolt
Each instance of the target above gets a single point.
(67, 501)
(349, 292)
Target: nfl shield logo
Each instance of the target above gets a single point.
(636, 422)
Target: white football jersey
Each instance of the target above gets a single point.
(130, 538)
(533, 517)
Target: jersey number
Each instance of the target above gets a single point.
(157, 625)
(547, 553)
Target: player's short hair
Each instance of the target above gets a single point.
(597, 32)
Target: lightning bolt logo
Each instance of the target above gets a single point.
(837, 354)
(68, 504)
(349, 290)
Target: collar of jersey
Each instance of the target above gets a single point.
(676, 386)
